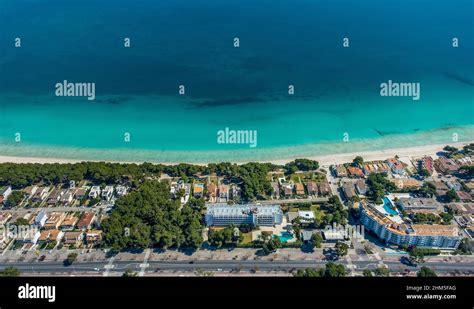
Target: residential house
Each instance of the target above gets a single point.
(235, 191)
(356, 172)
(73, 238)
(375, 167)
(324, 188)
(80, 194)
(462, 208)
(68, 223)
(307, 235)
(40, 219)
(396, 166)
(441, 187)
(464, 196)
(5, 193)
(50, 235)
(402, 183)
(86, 221)
(212, 192)
(54, 220)
(187, 192)
(312, 188)
(464, 161)
(30, 191)
(361, 187)
(291, 216)
(341, 171)
(287, 189)
(4, 217)
(470, 186)
(426, 163)
(198, 190)
(54, 197)
(454, 185)
(348, 190)
(299, 187)
(40, 194)
(93, 236)
(224, 193)
(67, 198)
(446, 166)
(306, 216)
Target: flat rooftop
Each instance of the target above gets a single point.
(435, 230)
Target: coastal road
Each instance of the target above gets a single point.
(49, 267)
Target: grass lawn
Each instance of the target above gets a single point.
(296, 178)
(318, 213)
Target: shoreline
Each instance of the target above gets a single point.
(404, 153)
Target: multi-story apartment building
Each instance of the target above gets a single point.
(402, 233)
(222, 215)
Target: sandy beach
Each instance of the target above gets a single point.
(405, 154)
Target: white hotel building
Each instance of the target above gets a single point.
(401, 233)
(223, 215)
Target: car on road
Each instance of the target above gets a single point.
(42, 258)
(407, 261)
(97, 269)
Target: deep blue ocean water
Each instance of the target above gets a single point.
(191, 43)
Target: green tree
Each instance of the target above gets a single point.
(71, 258)
(229, 236)
(424, 172)
(367, 273)
(451, 195)
(10, 271)
(334, 270)
(426, 272)
(148, 218)
(272, 245)
(301, 165)
(450, 150)
(382, 271)
(15, 198)
(341, 248)
(21, 222)
(379, 184)
(129, 273)
(464, 247)
(309, 272)
(357, 161)
(427, 190)
(316, 240)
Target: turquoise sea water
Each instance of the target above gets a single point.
(191, 43)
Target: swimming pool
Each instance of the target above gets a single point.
(285, 236)
(387, 205)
